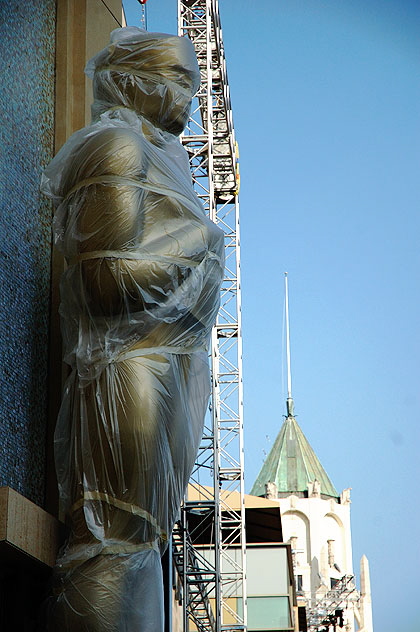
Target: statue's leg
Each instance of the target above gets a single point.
(110, 593)
(141, 433)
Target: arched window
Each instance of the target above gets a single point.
(296, 531)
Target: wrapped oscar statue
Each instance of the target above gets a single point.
(139, 297)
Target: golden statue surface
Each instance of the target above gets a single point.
(139, 297)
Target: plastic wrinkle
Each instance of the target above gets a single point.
(139, 297)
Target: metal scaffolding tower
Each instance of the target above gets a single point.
(328, 610)
(209, 541)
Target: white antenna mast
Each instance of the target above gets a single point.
(289, 401)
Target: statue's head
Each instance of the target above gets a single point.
(153, 73)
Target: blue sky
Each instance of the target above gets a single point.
(325, 97)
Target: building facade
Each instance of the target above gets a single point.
(271, 593)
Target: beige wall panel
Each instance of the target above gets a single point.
(83, 28)
(27, 527)
(101, 19)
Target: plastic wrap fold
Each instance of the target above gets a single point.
(138, 299)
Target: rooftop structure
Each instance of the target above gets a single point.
(292, 465)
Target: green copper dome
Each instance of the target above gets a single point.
(292, 464)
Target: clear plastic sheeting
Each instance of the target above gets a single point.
(139, 296)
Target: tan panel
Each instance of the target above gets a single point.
(101, 19)
(83, 28)
(256, 502)
(3, 512)
(28, 527)
(70, 59)
(69, 116)
(228, 618)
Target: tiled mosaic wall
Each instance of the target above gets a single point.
(27, 40)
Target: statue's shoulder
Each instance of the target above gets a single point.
(108, 149)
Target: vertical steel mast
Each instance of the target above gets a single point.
(216, 504)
